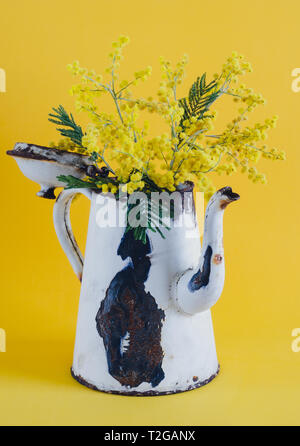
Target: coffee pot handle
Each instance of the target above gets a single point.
(62, 224)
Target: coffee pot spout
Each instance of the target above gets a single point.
(195, 291)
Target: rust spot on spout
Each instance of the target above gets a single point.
(217, 259)
(224, 204)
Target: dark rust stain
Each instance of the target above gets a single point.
(83, 381)
(51, 155)
(27, 155)
(187, 199)
(187, 186)
(94, 172)
(149, 392)
(229, 195)
(201, 278)
(224, 204)
(49, 193)
(27, 152)
(130, 322)
(217, 259)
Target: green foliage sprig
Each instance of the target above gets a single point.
(201, 96)
(72, 182)
(72, 131)
(152, 215)
(144, 208)
(190, 151)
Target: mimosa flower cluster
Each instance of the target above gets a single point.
(189, 150)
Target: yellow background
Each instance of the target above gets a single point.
(259, 381)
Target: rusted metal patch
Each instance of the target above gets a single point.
(49, 193)
(230, 196)
(217, 259)
(83, 381)
(41, 153)
(149, 392)
(130, 322)
(224, 204)
(201, 278)
(187, 186)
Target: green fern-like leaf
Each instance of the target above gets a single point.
(201, 96)
(72, 130)
(72, 182)
(154, 220)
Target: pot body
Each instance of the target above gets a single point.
(130, 337)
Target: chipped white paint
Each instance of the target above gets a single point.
(43, 165)
(187, 337)
(62, 223)
(203, 299)
(125, 341)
